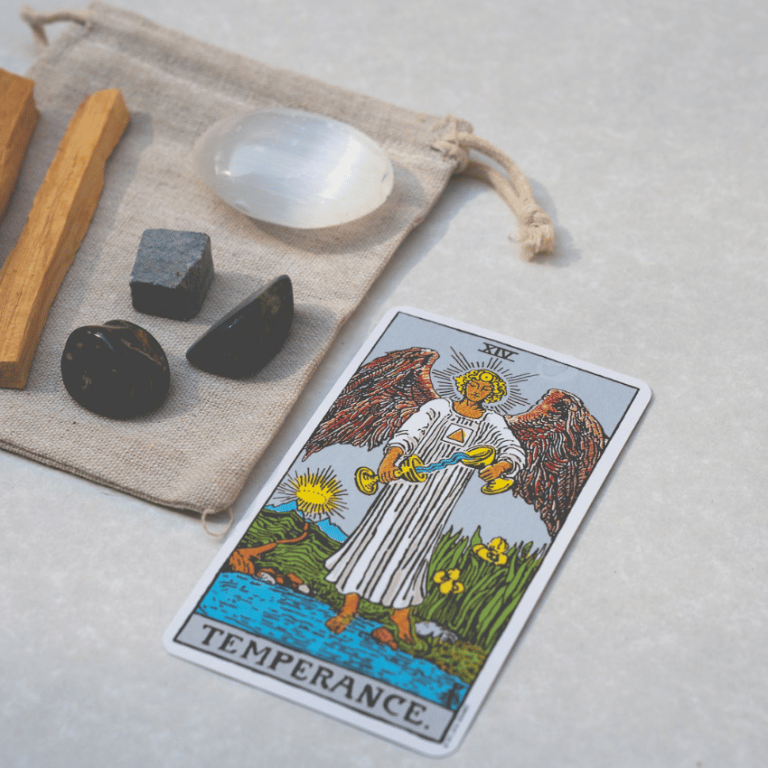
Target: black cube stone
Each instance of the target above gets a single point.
(172, 273)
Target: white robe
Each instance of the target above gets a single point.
(386, 558)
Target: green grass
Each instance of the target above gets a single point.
(491, 592)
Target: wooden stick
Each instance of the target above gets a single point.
(60, 216)
(18, 117)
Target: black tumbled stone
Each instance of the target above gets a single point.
(172, 273)
(248, 337)
(116, 369)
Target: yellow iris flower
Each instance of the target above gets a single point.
(494, 552)
(449, 581)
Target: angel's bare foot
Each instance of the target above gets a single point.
(403, 624)
(339, 623)
(344, 617)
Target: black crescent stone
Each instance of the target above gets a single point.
(116, 369)
(249, 336)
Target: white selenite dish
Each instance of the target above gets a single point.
(293, 168)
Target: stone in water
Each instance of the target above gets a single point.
(172, 273)
(294, 168)
(116, 369)
(249, 336)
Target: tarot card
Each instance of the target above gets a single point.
(386, 570)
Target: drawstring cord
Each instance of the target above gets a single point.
(537, 233)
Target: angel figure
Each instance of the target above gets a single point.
(549, 451)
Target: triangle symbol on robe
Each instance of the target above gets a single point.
(458, 436)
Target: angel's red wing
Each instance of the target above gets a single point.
(562, 442)
(377, 400)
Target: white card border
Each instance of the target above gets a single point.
(498, 657)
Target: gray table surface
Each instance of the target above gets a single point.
(642, 129)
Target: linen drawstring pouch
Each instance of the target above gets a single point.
(196, 451)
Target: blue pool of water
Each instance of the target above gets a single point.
(298, 622)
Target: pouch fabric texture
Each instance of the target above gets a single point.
(196, 451)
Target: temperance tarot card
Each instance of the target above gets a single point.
(386, 570)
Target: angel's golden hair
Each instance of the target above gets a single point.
(483, 374)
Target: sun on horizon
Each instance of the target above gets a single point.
(317, 493)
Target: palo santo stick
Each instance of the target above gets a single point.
(18, 117)
(56, 226)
